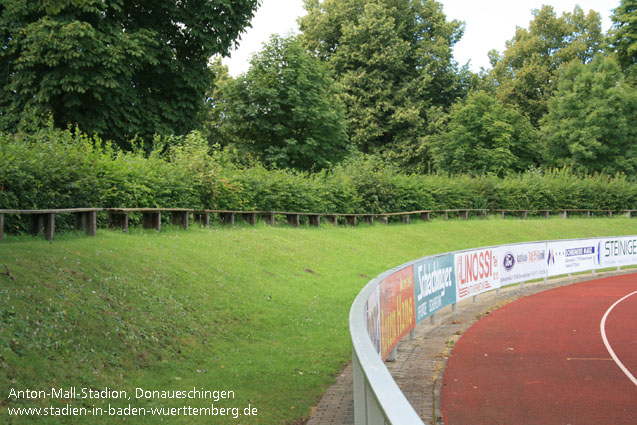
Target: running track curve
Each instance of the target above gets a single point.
(542, 360)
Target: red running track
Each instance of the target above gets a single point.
(542, 360)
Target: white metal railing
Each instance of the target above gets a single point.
(393, 303)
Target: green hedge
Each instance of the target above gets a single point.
(66, 169)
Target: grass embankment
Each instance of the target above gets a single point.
(259, 311)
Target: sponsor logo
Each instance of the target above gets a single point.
(619, 248)
(508, 261)
(585, 250)
(551, 258)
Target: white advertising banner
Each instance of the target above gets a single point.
(617, 251)
(522, 262)
(476, 271)
(573, 256)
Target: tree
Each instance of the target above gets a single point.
(393, 61)
(215, 101)
(484, 135)
(624, 35)
(118, 68)
(526, 73)
(285, 109)
(591, 120)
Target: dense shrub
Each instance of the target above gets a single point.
(66, 169)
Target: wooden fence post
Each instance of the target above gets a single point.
(49, 226)
(227, 218)
(118, 219)
(37, 223)
(180, 218)
(315, 220)
(91, 223)
(268, 218)
(293, 220)
(80, 221)
(203, 218)
(152, 220)
(250, 218)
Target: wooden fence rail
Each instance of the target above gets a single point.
(118, 218)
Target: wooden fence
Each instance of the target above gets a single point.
(118, 218)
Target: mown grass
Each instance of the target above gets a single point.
(259, 311)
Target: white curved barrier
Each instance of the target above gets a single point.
(393, 303)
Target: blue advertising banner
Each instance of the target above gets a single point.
(435, 285)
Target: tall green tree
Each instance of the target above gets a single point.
(526, 73)
(624, 36)
(118, 68)
(484, 135)
(215, 101)
(392, 60)
(591, 120)
(285, 110)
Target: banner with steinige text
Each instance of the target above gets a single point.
(618, 251)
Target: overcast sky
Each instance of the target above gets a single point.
(489, 24)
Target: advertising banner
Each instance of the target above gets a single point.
(435, 285)
(618, 251)
(397, 314)
(522, 262)
(476, 271)
(372, 312)
(563, 257)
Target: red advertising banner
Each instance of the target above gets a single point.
(397, 311)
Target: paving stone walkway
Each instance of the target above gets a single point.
(420, 362)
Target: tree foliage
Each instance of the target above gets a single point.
(624, 35)
(114, 67)
(483, 135)
(526, 73)
(393, 62)
(591, 120)
(285, 109)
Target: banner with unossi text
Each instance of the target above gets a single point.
(476, 271)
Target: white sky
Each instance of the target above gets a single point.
(489, 24)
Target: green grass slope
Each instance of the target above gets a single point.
(261, 312)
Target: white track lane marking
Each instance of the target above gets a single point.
(602, 327)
